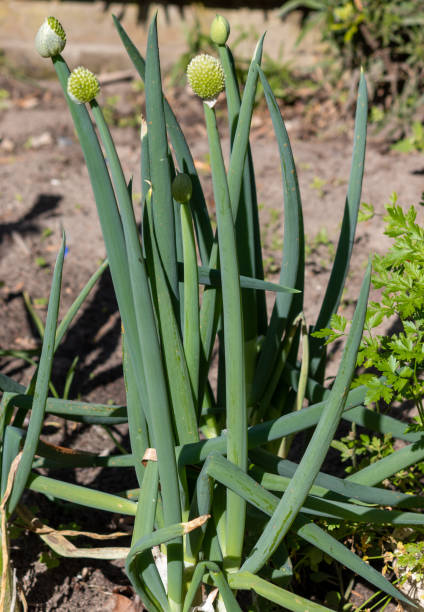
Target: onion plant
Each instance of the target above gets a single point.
(216, 492)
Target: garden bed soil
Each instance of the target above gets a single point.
(45, 188)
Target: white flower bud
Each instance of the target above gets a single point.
(51, 38)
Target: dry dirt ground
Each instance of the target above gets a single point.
(45, 187)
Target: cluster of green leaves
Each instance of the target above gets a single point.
(364, 449)
(410, 558)
(369, 448)
(396, 361)
(396, 357)
(386, 38)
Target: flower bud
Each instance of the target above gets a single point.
(182, 188)
(51, 38)
(206, 76)
(83, 86)
(220, 30)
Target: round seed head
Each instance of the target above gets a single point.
(220, 30)
(50, 39)
(206, 76)
(83, 85)
(182, 188)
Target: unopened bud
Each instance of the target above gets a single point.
(50, 39)
(182, 188)
(220, 30)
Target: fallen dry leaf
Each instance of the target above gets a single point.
(120, 603)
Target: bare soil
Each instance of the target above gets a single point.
(45, 187)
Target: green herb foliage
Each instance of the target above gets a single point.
(397, 355)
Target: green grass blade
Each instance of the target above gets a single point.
(11, 446)
(182, 154)
(159, 164)
(41, 385)
(57, 458)
(200, 504)
(39, 325)
(360, 415)
(137, 407)
(183, 405)
(287, 306)
(69, 378)
(352, 512)
(194, 586)
(235, 391)
(292, 5)
(332, 487)
(75, 306)
(241, 184)
(264, 432)
(226, 594)
(232, 477)
(314, 455)
(386, 467)
(145, 163)
(322, 540)
(211, 302)
(286, 599)
(159, 417)
(83, 496)
(285, 350)
(137, 424)
(381, 423)
(340, 268)
(140, 551)
(241, 152)
(217, 576)
(6, 413)
(212, 277)
(240, 127)
(8, 385)
(149, 582)
(341, 510)
(71, 407)
(108, 213)
(191, 300)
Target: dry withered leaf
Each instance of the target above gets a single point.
(120, 603)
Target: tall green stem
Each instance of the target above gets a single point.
(235, 385)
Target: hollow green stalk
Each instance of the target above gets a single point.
(159, 163)
(286, 443)
(235, 391)
(246, 222)
(191, 299)
(287, 307)
(148, 582)
(143, 546)
(81, 495)
(183, 404)
(211, 305)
